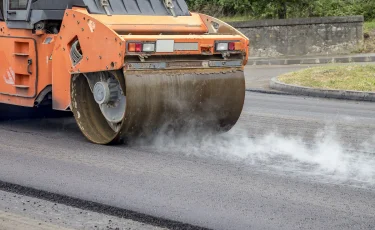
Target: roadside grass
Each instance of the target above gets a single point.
(369, 27)
(340, 77)
(369, 38)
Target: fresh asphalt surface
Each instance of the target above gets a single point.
(242, 180)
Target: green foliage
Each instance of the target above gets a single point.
(369, 27)
(284, 8)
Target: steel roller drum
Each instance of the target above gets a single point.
(178, 99)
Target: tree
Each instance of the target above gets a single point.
(285, 8)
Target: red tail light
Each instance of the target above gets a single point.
(138, 47)
(135, 47)
(231, 46)
(222, 46)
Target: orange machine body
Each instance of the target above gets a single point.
(33, 61)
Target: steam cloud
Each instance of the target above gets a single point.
(326, 157)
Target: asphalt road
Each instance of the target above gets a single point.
(290, 163)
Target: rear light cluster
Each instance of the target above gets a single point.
(225, 46)
(139, 47)
(150, 47)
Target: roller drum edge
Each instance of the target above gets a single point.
(155, 100)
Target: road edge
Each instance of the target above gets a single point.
(322, 93)
(274, 92)
(358, 58)
(97, 207)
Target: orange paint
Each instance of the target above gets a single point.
(18, 48)
(103, 43)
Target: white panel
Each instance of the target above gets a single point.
(191, 46)
(165, 46)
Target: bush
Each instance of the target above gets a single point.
(284, 8)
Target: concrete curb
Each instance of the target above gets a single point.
(323, 93)
(274, 92)
(312, 60)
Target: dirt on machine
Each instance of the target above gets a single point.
(125, 68)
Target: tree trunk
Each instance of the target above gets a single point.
(282, 11)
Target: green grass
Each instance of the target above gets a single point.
(369, 39)
(368, 27)
(340, 77)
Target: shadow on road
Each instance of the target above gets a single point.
(11, 112)
(37, 120)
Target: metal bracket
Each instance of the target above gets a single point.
(105, 5)
(142, 57)
(225, 55)
(29, 63)
(170, 6)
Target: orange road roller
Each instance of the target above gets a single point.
(124, 68)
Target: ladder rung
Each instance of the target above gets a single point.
(22, 86)
(21, 54)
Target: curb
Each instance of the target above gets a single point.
(312, 60)
(323, 93)
(274, 92)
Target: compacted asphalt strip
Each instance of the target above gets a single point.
(290, 163)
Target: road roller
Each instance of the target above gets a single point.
(123, 68)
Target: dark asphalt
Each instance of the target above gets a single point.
(290, 163)
(258, 77)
